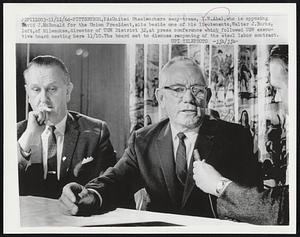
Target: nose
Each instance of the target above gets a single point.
(43, 96)
(188, 96)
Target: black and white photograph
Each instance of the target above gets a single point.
(149, 119)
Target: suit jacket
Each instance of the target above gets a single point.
(84, 137)
(148, 163)
(269, 207)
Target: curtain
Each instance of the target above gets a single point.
(238, 76)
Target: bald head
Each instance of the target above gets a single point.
(183, 68)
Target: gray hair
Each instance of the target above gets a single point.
(281, 52)
(180, 60)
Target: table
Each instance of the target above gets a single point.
(41, 212)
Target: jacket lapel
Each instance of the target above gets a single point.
(204, 144)
(70, 140)
(164, 147)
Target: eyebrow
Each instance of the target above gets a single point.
(178, 84)
(37, 85)
(32, 85)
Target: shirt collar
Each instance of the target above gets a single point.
(61, 126)
(189, 133)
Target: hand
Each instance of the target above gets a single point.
(205, 176)
(35, 127)
(36, 120)
(77, 200)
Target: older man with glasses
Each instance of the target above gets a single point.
(159, 157)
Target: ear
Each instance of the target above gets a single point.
(69, 91)
(160, 97)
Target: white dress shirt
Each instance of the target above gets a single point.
(189, 141)
(59, 134)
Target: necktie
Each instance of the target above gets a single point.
(181, 163)
(52, 150)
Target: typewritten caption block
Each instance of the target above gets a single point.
(174, 29)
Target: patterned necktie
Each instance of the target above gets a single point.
(181, 164)
(52, 150)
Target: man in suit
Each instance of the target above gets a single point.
(159, 157)
(268, 207)
(57, 146)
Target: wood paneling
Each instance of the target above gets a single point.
(107, 78)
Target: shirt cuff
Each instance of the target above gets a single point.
(98, 194)
(222, 185)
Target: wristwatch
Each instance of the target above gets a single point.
(222, 184)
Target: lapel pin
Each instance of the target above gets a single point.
(64, 158)
(210, 137)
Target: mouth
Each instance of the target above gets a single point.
(188, 111)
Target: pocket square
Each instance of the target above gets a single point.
(87, 160)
